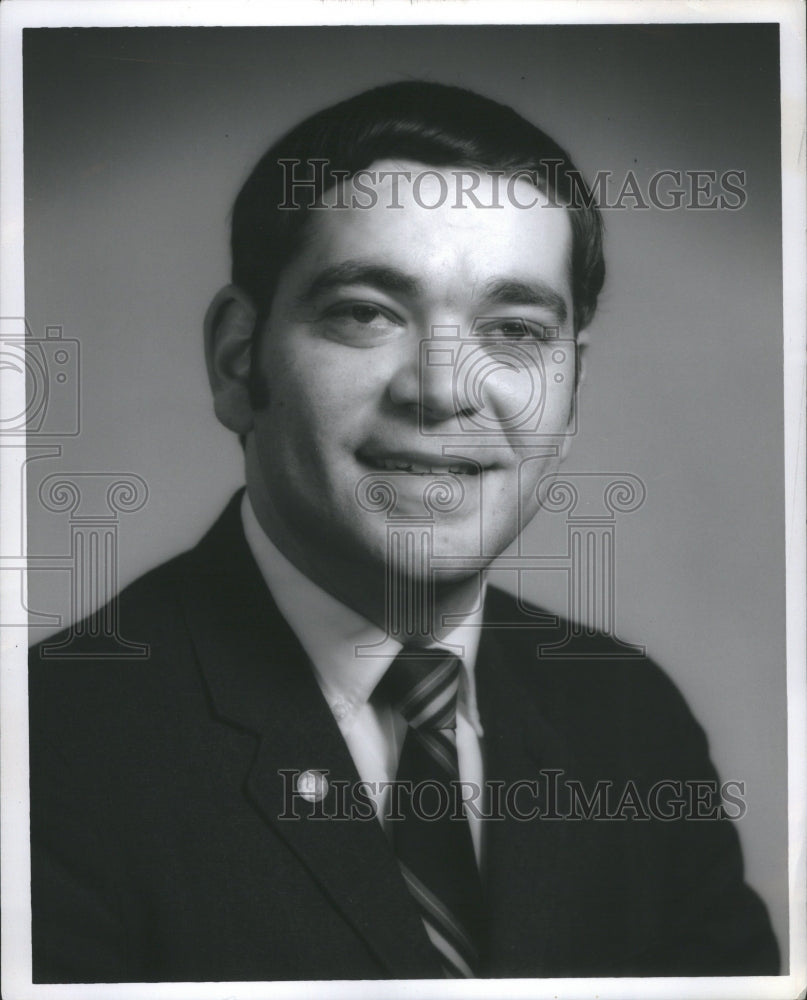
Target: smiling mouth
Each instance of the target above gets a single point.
(420, 466)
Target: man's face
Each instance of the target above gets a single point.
(355, 390)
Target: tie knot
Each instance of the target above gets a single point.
(422, 684)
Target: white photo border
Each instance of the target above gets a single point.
(18, 14)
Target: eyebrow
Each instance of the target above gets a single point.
(497, 291)
(506, 291)
(359, 272)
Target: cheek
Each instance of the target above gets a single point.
(530, 489)
(297, 382)
(318, 404)
(559, 378)
(559, 400)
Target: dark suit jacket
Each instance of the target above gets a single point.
(158, 852)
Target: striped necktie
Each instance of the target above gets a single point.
(432, 840)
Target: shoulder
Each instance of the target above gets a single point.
(603, 696)
(135, 622)
(132, 659)
(148, 612)
(92, 688)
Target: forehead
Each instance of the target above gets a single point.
(451, 228)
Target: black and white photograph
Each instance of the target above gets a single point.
(402, 547)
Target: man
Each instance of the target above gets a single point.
(346, 757)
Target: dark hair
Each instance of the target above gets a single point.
(429, 123)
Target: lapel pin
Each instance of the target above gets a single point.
(312, 786)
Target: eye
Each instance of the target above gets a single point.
(365, 314)
(361, 320)
(511, 328)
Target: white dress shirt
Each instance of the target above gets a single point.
(334, 637)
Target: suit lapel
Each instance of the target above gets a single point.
(530, 874)
(259, 678)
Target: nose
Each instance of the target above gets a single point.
(425, 380)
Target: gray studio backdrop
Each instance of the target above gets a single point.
(136, 141)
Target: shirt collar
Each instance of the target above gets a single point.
(349, 654)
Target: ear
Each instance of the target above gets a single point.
(229, 330)
(581, 351)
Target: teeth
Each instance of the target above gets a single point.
(418, 469)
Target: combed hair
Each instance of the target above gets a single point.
(428, 123)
